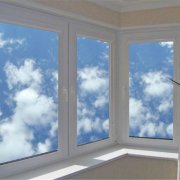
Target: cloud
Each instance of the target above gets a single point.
(165, 105)
(104, 56)
(88, 125)
(24, 75)
(16, 138)
(44, 147)
(33, 110)
(89, 122)
(146, 123)
(92, 102)
(168, 44)
(55, 79)
(4, 42)
(92, 79)
(169, 129)
(101, 101)
(156, 84)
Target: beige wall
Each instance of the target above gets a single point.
(84, 9)
(95, 13)
(170, 15)
(133, 168)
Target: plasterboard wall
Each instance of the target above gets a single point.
(96, 13)
(161, 16)
(83, 10)
(133, 168)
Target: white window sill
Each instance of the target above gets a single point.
(68, 168)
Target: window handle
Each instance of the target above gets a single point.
(65, 94)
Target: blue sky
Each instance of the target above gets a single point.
(151, 92)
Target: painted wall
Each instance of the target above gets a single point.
(83, 10)
(133, 168)
(97, 14)
(170, 15)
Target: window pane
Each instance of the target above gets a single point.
(92, 90)
(28, 98)
(151, 91)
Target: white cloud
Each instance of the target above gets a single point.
(157, 84)
(170, 129)
(92, 79)
(106, 125)
(147, 123)
(101, 101)
(54, 129)
(15, 142)
(24, 75)
(104, 56)
(55, 78)
(168, 44)
(44, 147)
(137, 113)
(33, 109)
(88, 125)
(165, 105)
(151, 129)
(10, 41)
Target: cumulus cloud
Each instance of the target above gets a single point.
(168, 44)
(165, 105)
(147, 123)
(105, 56)
(156, 84)
(4, 42)
(89, 125)
(101, 101)
(92, 79)
(15, 140)
(44, 147)
(169, 129)
(24, 75)
(32, 110)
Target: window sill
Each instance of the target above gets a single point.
(68, 168)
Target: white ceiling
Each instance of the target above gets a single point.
(133, 5)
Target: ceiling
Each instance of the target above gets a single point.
(133, 5)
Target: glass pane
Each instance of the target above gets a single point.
(28, 98)
(151, 91)
(92, 90)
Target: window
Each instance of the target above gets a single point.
(29, 92)
(148, 99)
(150, 89)
(57, 95)
(33, 85)
(92, 90)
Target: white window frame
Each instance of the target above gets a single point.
(35, 19)
(146, 35)
(95, 32)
